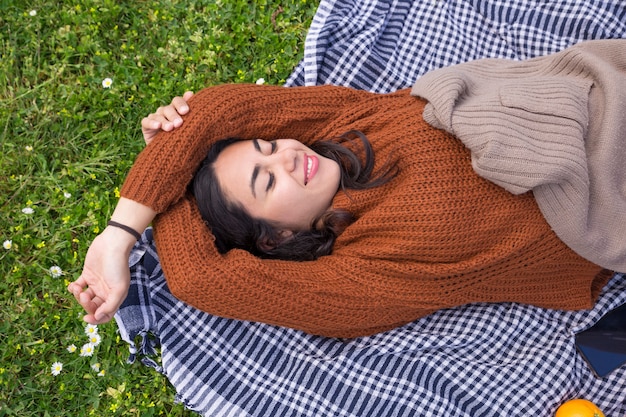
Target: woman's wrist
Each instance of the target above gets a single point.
(128, 221)
(130, 215)
(118, 239)
(134, 233)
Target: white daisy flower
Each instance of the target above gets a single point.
(95, 339)
(260, 81)
(67, 195)
(91, 329)
(86, 350)
(33, 13)
(106, 83)
(55, 271)
(71, 348)
(7, 244)
(56, 368)
(28, 210)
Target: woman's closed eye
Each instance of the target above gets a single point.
(271, 178)
(265, 147)
(271, 181)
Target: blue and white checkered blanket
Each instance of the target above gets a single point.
(476, 360)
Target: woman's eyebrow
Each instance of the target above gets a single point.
(255, 174)
(255, 171)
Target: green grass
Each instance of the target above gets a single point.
(66, 145)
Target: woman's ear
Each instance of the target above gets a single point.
(267, 244)
(285, 234)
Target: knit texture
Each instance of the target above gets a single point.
(554, 125)
(437, 236)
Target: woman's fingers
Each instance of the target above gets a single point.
(187, 95)
(180, 105)
(166, 118)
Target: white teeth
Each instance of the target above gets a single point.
(309, 164)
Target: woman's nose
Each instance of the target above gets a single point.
(286, 158)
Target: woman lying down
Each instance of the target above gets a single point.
(345, 213)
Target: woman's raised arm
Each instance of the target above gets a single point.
(103, 284)
(163, 170)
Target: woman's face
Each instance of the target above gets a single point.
(283, 181)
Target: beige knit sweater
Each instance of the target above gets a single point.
(436, 236)
(555, 125)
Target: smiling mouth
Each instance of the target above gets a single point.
(310, 168)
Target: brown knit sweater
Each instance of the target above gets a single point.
(437, 236)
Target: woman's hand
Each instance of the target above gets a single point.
(165, 118)
(104, 282)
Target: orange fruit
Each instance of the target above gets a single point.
(578, 408)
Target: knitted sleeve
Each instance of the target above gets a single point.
(163, 169)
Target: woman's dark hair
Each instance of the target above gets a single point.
(234, 228)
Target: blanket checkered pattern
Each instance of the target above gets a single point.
(475, 360)
(385, 45)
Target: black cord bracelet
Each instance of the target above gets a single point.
(126, 228)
